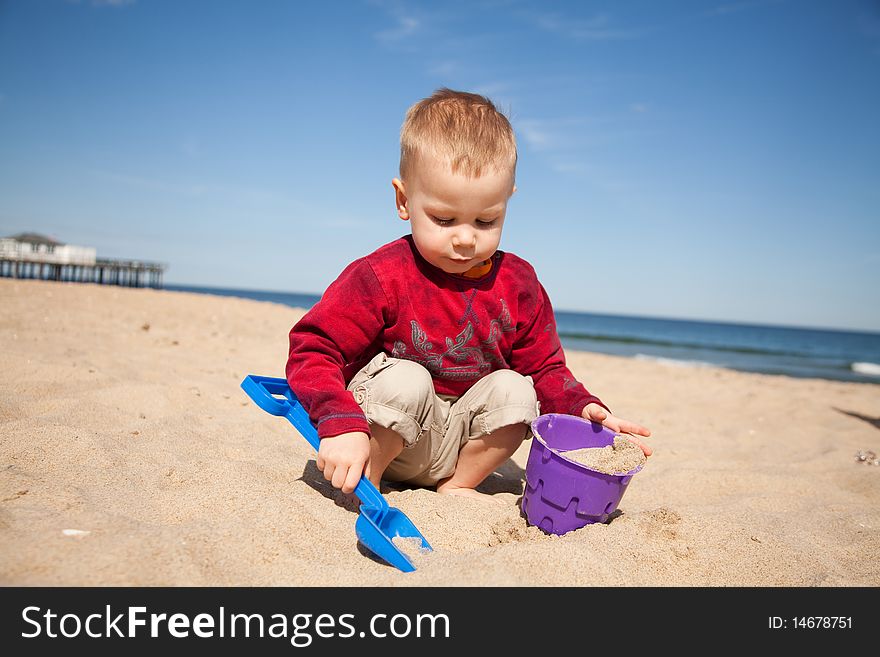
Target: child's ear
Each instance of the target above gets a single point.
(400, 198)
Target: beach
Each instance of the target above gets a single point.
(130, 456)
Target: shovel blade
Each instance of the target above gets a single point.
(378, 523)
(377, 536)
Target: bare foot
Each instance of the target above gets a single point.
(447, 489)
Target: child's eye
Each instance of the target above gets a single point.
(442, 221)
(485, 223)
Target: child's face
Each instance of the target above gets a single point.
(456, 221)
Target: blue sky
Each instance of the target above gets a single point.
(705, 160)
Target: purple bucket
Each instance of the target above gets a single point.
(562, 495)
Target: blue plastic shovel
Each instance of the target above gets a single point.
(378, 522)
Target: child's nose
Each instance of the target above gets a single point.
(465, 236)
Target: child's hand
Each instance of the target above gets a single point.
(596, 413)
(343, 459)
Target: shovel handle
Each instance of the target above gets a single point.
(274, 396)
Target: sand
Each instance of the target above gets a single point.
(413, 548)
(129, 455)
(618, 458)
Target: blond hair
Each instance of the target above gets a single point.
(463, 128)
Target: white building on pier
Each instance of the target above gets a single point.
(32, 247)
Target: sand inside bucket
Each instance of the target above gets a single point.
(619, 458)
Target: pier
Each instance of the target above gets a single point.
(104, 271)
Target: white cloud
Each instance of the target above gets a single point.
(406, 27)
(598, 28)
(491, 89)
(735, 7)
(568, 167)
(536, 133)
(444, 69)
(569, 146)
(555, 134)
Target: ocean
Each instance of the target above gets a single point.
(796, 352)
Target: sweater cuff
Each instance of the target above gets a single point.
(339, 423)
(578, 408)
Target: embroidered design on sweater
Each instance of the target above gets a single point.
(503, 324)
(469, 308)
(471, 361)
(569, 383)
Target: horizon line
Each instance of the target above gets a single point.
(701, 320)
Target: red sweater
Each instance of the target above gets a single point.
(459, 328)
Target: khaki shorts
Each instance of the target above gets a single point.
(399, 395)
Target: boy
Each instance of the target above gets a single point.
(426, 360)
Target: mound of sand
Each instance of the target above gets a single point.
(130, 456)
